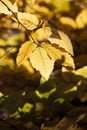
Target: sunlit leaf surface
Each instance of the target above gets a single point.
(57, 54)
(28, 20)
(25, 51)
(4, 8)
(41, 62)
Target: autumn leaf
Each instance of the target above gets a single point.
(58, 54)
(81, 19)
(24, 52)
(6, 7)
(68, 21)
(54, 37)
(68, 45)
(82, 72)
(28, 20)
(64, 41)
(68, 60)
(54, 53)
(41, 62)
(42, 33)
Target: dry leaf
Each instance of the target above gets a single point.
(72, 119)
(28, 20)
(41, 62)
(24, 52)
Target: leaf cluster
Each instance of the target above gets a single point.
(44, 85)
(38, 48)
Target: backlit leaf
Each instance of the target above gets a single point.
(55, 37)
(42, 34)
(30, 21)
(58, 54)
(6, 7)
(68, 60)
(68, 21)
(25, 51)
(81, 19)
(61, 5)
(64, 42)
(41, 62)
(82, 72)
(54, 53)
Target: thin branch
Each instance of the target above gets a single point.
(6, 52)
(6, 46)
(29, 31)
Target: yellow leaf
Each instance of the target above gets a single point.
(68, 60)
(68, 21)
(58, 54)
(82, 72)
(6, 7)
(28, 20)
(42, 34)
(81, 19)
(54, 53)
(33, 1)
(41, 62)
(55, 37)
(24, 52)
(61, 5)
(64, 42)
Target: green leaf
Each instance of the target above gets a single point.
(41, 62)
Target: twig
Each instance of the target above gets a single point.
(29, 31)
(6, 52)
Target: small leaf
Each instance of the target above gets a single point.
(61, 5)
(41, 62)
(24, 52)
(5, 5)
(42, 34)
(30, 21)
(68, 21)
